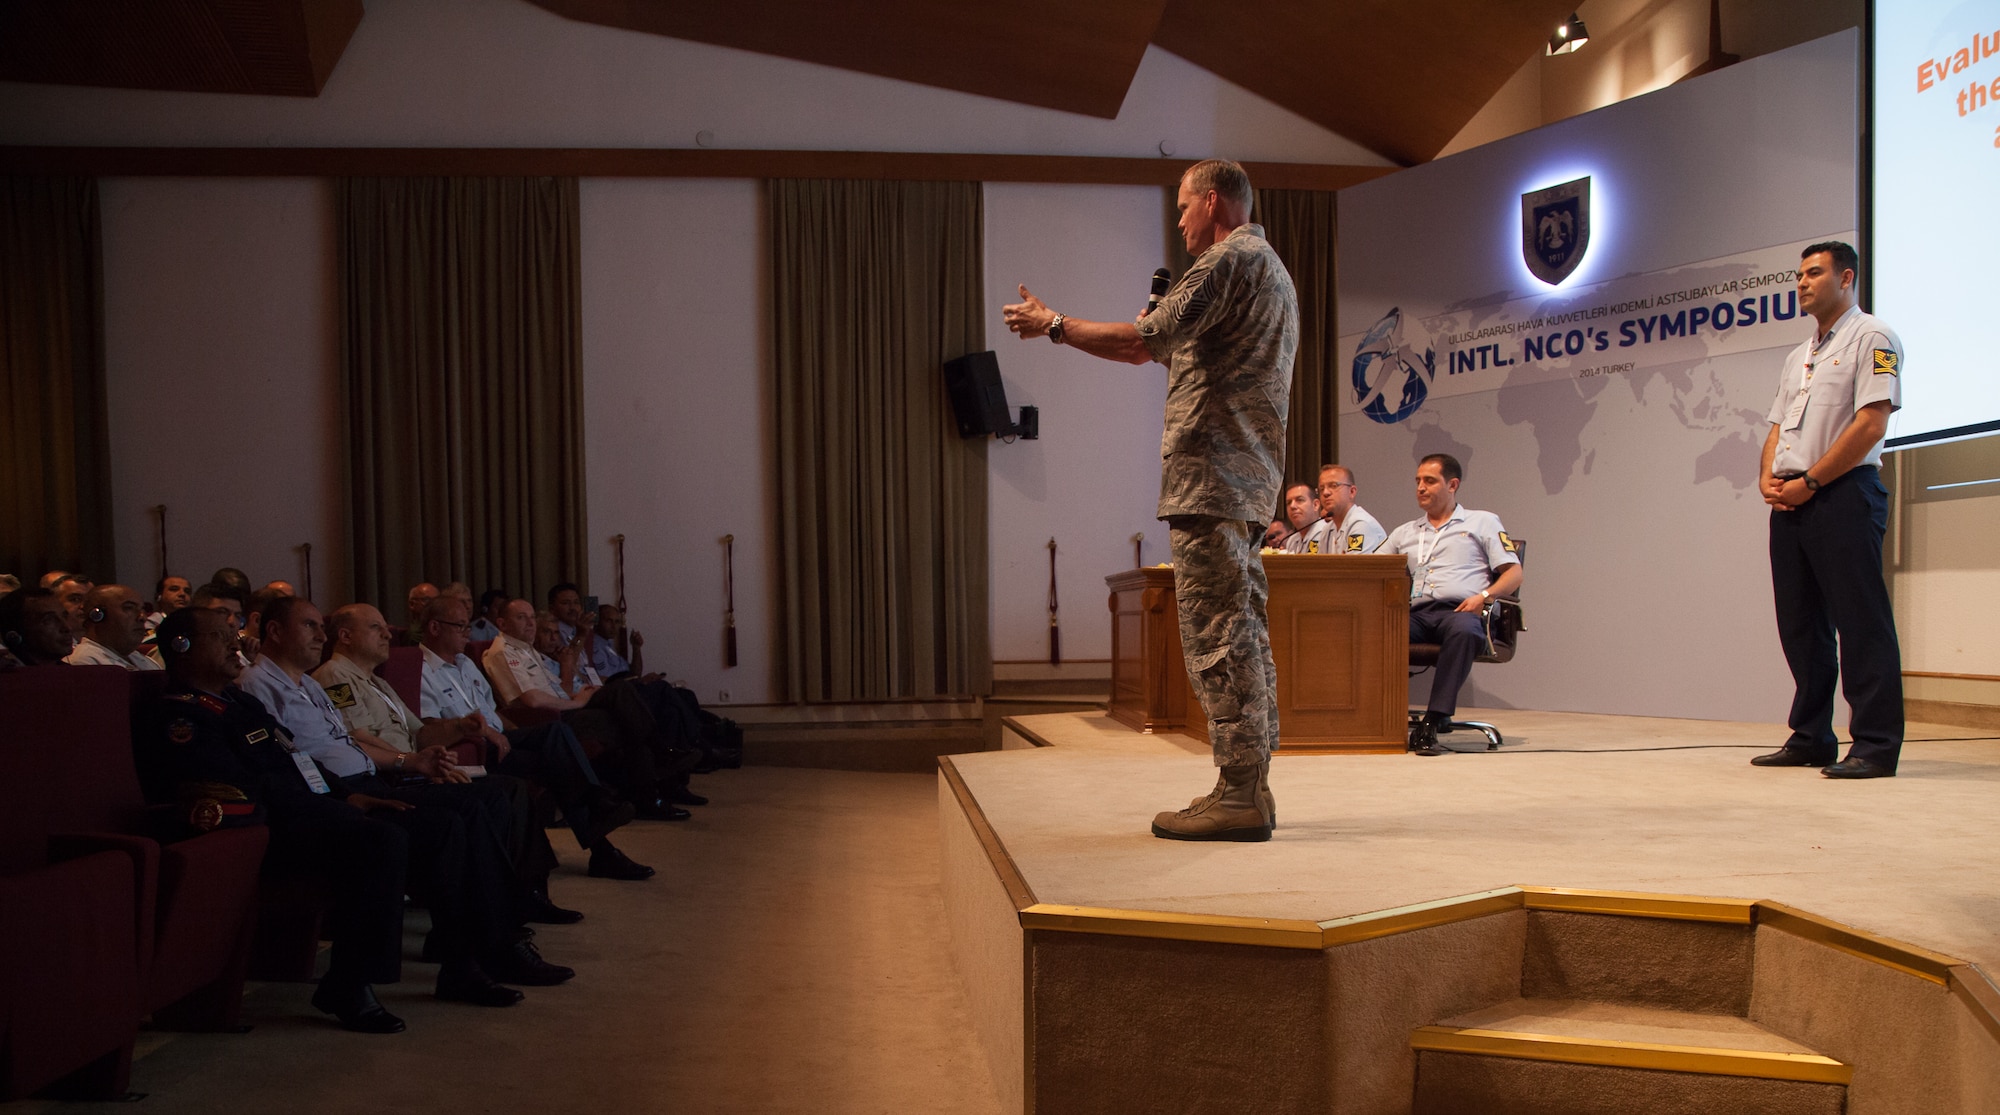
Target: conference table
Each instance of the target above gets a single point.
(1340, 638)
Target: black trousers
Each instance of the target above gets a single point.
(364, 860)
(1835, 620)
(458, 861)
(1458, 636)
(550, 756)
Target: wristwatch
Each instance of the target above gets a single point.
(1811, 484)
(1056, 329)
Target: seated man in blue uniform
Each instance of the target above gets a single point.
(293, 636)
(1460, 559)
(210, 747)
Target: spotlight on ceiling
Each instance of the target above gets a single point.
(1569, 37)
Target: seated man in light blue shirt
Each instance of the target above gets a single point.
(1344, 528)
(488, 893)
(1459, 560)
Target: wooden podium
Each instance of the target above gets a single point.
(1339, 637)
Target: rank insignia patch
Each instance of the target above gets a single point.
(341, 695)
(256, 735)
(1506, 543)
(181, 731)
(1885, 361)
(1354, 542)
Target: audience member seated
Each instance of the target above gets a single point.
(230, 601)
(603, 651)
(486, 628)
(1460, 560)
(1301, 512)
(205, 733)
(639, 756)
(1344, 528)
(169, 596)
(1276, 533)
(33, 628)
(456, 694)
(73, 590)
(114, 628)
(576, 634)
(419, 598)
(293, 637)
(233, 577)
(375, 714)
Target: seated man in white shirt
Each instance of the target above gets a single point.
(638, 756)
(171, 595)
(1301, 511)
(1343, 528)
(114, 624)
(359, 637)
(602, 650)
(1460, 559)
(32, 628)
(73, 589)
(293, 636)
(456, 692)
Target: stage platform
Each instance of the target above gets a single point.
(1064, 907)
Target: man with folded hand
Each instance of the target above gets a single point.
(489, 930)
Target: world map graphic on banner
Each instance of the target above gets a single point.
(1548, 358)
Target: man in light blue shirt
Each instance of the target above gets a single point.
(1460, 560)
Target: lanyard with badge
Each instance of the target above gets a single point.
(308, 769)
(1795, 415)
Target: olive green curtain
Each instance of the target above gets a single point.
(881, 505)
(1301, 227)
(55, 463)
(461, 374)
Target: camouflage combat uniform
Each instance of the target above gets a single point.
(1228, 333)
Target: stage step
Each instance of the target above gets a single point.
(898, 747)
(1539, 1056)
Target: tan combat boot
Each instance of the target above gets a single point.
(1264, 797)
(1233, 814)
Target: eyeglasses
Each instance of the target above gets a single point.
(454, 625)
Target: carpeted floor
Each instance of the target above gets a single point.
(790, 956)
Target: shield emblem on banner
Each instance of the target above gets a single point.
(1555, 229)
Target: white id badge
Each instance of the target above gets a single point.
(311, 772)
(1795, 415)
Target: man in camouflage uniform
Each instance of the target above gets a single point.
(1228, 333)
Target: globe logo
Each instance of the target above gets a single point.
(1388, 381)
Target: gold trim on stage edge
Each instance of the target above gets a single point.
(1806, 1067)
(1922, 963)
(1676, 907)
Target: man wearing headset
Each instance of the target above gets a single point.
(114, 627)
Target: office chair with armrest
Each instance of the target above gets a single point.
(1503, 622)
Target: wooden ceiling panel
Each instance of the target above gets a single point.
(282, 47)
(1400, 77)
(1079, 57)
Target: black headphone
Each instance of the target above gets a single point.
(95, 615)
(180, 644)
(13, 639)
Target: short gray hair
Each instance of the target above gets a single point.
(1229, 180)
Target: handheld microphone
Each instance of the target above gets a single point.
(1161, 280)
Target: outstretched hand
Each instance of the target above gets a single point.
(1029, 317)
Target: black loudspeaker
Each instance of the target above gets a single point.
(978, 399)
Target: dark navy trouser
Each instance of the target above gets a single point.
(1458, 636)
(1826, 580)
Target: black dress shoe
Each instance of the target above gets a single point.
(356, 1007)
(1424, 739)
(523, 964)
(537, 907)
(1852, 767)
(466, 982)
(607, 862)
(1788, 757)
(681, 795)
(660, 810)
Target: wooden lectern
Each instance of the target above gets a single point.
(1340, 630)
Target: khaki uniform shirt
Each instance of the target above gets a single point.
(367, 702)
(517, 668)
(1228, 333)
